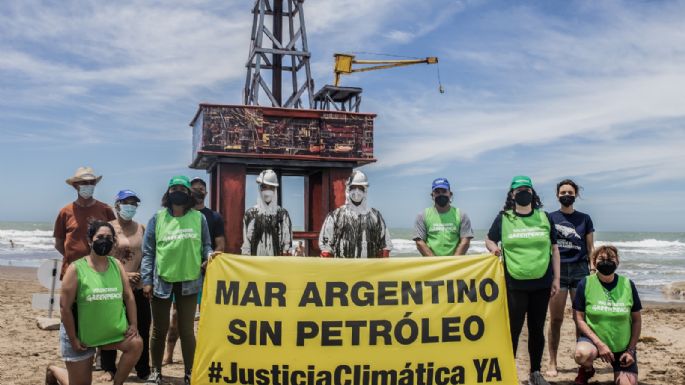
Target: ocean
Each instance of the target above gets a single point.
(651, 260)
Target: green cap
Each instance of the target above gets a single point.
(180, 179)
(521, 181)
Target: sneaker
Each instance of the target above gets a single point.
(537, 379)
(155, 377)
(186, 378)
(583, 376)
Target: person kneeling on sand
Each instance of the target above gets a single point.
(104, 315)
(607, 310)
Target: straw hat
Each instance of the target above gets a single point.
(83, 174)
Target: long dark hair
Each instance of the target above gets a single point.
(166, 202)
(510, 204)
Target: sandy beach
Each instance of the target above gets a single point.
(27, 350)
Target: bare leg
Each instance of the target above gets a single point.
(557, 306)
(171, 338)
(54, 375)
(625, 378)
(585, 354)
(80, 372)
(130, 349)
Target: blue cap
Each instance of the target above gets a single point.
(441, 183)
(123, 194)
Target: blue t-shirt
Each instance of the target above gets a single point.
(571, 230)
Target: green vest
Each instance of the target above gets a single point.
(607, 312)
(100, 304)
(442, 230)
(179, 246)
(526, 244)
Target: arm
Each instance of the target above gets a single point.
(628, 357)
(465, 234)
(463, 247)
(220, 236)
(556, 270)
(59, 233)
(603, 350)
(206, 239)
(420, 236)
(423, 248)
(248, 229)
(59, 245)
(66, 300)
(147, 265)
(220, 243)
(492, 246)
(130, 302)
(590, 242)
(286, 234)
(326, 237)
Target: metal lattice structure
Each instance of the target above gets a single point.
(263, 59)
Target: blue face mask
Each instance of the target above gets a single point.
(127, 212)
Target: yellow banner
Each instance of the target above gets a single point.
(316, 321)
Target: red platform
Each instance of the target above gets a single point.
(323, 146)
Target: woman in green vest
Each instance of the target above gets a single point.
(607, 311)
(104, 314)
(522, 235)
(176, 245)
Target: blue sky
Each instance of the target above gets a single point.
(583, 89)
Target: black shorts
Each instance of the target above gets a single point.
(572, 273)
(617, 359)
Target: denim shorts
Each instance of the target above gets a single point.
(68, 353)
(571, 274)
(617, 359)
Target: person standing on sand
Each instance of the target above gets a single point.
(129, 251)
(531, 266)
(355, 230)
(175, 250)
(267, 229)
(73, 219)
(442, 229)
(575, 238)
(216, 229)
(104, 314)
(607, 313)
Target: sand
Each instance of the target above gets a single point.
(26, 350)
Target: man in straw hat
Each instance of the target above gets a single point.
(73, 219)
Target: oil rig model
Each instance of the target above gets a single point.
(321, 136)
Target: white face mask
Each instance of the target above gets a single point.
(86, 191)
(127, 212)
(267, 196)
(357, 195)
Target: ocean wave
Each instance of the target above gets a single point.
(26, 240)
(650, 244)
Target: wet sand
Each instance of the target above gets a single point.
(27, 350)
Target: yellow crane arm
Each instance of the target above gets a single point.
(344, 62)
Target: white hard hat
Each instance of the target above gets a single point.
(268, 177)
(358, 178)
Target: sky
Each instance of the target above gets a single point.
(588, 90)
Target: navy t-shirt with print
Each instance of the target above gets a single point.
(571, 230)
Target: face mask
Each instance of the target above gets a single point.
(103, 246)
(567, 200)
(198, 196)
(606, 267)
(85, 191)
(442, 200)
(357, 196)
(523, 198)
(126, 212)
(267, 196)
(178, 198)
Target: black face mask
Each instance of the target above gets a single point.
(523, 198)
(178, 198)
(198, 196)
(442, 200)
(567, 200)
(606, 267)
(103, 246)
